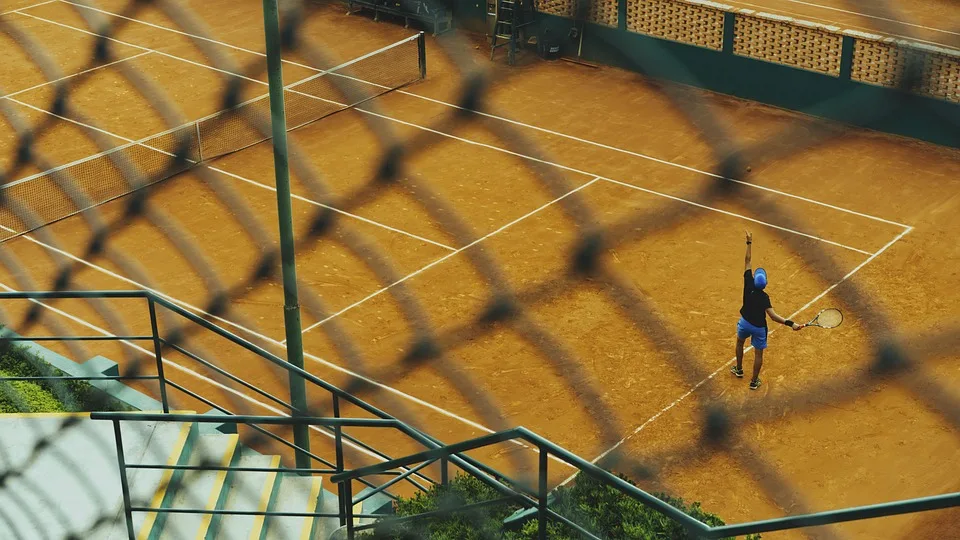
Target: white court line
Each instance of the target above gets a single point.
(638, 188)
(258, 335)
(335, 209)
(518, 123)
(186, 370)
(587, 173)
(26, 7)
(447, 256)
(867, 15)
(722, 367)
(34, 87)
(128, 44)
(860, 27)
(221, 171)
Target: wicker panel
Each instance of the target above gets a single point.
(884, 62)
(605, 12)
(562, 8)
(677, 21)
(785, 42)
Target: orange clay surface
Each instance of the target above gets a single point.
(801, 443)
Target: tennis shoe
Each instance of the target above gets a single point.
(737, 371)
(754, 384)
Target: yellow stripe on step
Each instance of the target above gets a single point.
(314, 495)
(218, 483)
(272, 478)
(165, 479)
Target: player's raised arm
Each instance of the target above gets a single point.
(746, 262)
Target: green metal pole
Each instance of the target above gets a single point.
(291, 302)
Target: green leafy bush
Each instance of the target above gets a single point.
(26, 396)
(599, 508)
(459, 492)
(47, 395)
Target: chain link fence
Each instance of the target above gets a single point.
(132, 173)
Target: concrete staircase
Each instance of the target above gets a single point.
(72, 485)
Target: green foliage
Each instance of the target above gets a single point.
(26, 396)
(460, 491)
(609, 513)
(599, 508)
(47, 395)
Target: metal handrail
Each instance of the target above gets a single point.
(153, 299)
(436, 450)
(225, 373)
(391, 482)
(701, 529)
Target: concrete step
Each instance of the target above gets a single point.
(68, 485)
(246, 491)
(375, 504)
(197, 489)
(327, 526)
(295, 494)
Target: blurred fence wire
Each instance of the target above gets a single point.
(134, 169)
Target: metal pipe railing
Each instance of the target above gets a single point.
(436, 450)
(226, 374)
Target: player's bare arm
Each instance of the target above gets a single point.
(781, 320)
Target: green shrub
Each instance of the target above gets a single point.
(461, 491)
(599, 508)
(26, 396)
(608, 512)
(47, 395)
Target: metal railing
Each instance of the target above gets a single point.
(345, 498)
(407, 469)
(174, 342)
(538, 497)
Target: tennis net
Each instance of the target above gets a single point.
(58, 193)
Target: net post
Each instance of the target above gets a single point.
(422, 54)
(199, 143)
(291, 303)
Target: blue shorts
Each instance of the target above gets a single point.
(757, 334)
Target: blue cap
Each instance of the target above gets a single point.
(760, 278)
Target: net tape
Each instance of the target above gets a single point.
(139, 164)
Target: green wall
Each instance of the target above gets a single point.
(836, 98)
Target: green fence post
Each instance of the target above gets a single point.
(542, 497)
(157, 351)
(291, 302)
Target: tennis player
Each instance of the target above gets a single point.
(753, 318)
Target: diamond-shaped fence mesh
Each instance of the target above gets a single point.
(90, 201)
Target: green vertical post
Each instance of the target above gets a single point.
(291, 302)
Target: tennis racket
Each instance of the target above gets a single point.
(827, 318)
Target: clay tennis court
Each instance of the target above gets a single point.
(882, 208)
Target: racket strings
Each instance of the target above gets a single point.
(829, 318)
